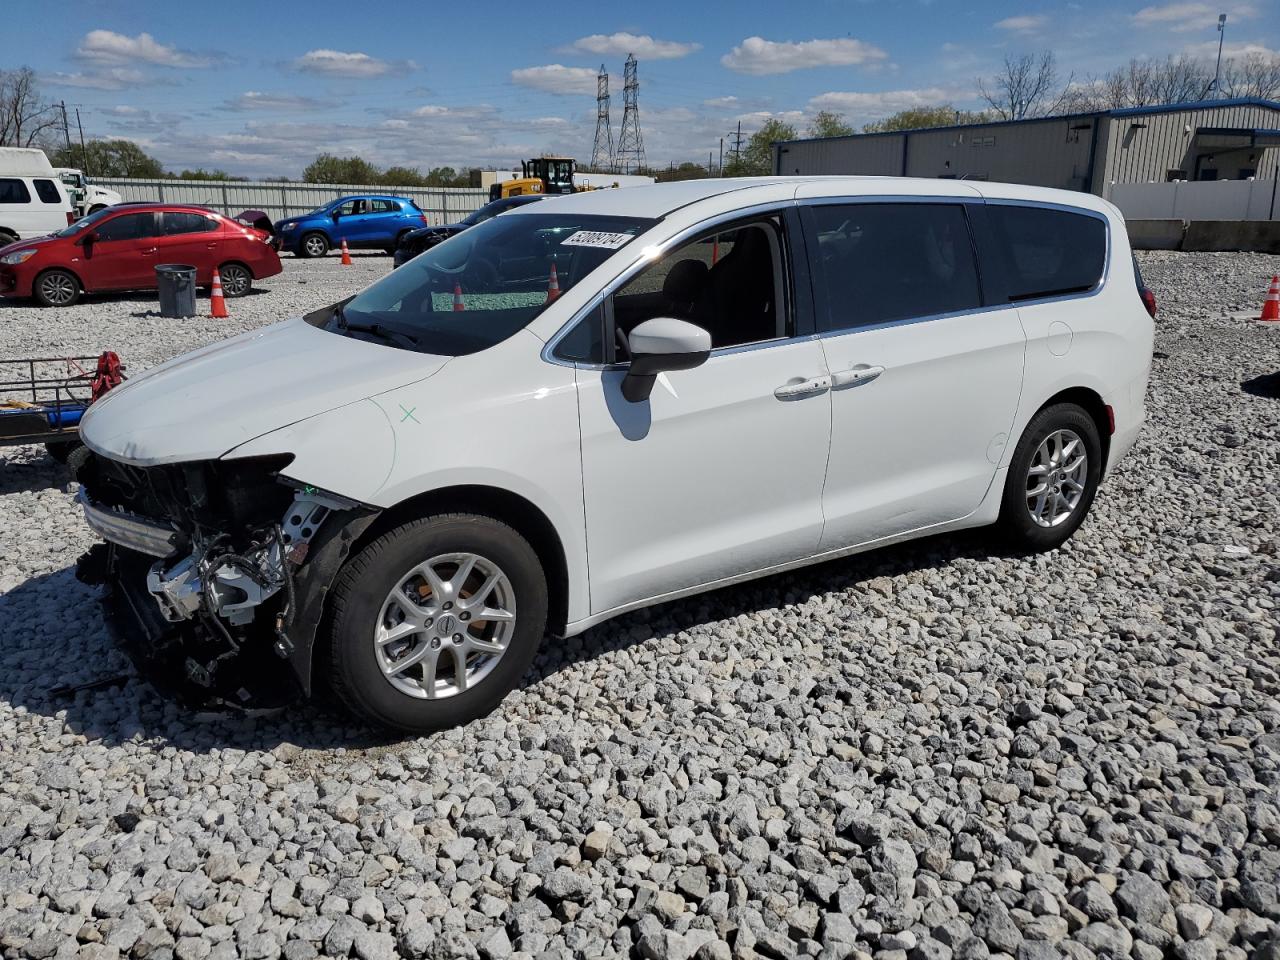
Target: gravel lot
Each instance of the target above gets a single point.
(930, 752)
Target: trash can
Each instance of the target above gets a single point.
(177, 285)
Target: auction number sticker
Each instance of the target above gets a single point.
(595, 238)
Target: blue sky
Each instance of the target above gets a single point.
(260, 88)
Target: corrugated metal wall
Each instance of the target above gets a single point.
(280, 200)
(879, 155)
(1138, 154)
(1047, 153)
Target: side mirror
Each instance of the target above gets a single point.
(659, 345)
(88, 239)
(336, 214)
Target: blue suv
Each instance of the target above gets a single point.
(371, 221)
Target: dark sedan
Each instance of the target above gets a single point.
(413, 243)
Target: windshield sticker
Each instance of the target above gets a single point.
(595, 238)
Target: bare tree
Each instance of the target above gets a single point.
(1141, 83)
(1180, 79)
(24, 117)
(1027, 87)
(1253, 75)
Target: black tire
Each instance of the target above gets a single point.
(97, 207)
(314, 244)
(7, 238)
(236, 279)
(362, 588)
(399, 240)
(56, 288)
(1017, 526)
(61, 450)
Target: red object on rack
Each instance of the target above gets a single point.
(109, 374)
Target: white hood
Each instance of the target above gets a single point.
(205, 403)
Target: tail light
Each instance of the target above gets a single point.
(71, 218)
(423, 218)
(1149, 301)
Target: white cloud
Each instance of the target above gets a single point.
(1026, 23)
(341, 63)
(106, 46)
(112, 78)
(557, 78)
(722, 103)
(644, 46)
(257, 100)
(1209, 50)
(758, 56)
(873, 106)
(1183, 17)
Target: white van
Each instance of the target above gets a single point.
(33, 202)
(87, 197)
(605, 401)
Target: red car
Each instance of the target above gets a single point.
(119, 247)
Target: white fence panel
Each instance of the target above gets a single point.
(280, 200)
(1198, 200)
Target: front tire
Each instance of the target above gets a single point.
(313, 245)
(56, 288)
(1052, 480)
(436, 621)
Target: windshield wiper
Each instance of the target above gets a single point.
(382, 333)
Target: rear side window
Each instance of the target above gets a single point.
(47, 191)
(1045, 252)
(13, 191)
(383, 206)
(175, 223)
(880, 262)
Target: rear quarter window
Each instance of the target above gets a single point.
(13, 190)
(1044, 252)
(47, 191)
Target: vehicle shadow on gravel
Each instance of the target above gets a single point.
(1267, 385)
(51, 634)
(29, 475)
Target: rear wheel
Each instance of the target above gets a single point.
(7, 238)
(56, 288)
(436, 621)
(236, 279)
(1052, 478)
(314, 245)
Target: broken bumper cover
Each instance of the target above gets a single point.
(136, 533)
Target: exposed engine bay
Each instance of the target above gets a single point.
(215, 571)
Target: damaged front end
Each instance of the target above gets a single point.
(216, 571)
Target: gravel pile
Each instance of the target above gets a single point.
(931, 752)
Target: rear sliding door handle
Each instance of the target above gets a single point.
(854, 376)
(795, 390)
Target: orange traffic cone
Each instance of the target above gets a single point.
(553, 288)
(458, 305)
(1271, 305)
(217, 305)
(346, 254)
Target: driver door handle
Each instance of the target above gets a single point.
(855, 376)
(795, 390)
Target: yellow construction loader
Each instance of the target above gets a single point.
(540, 175)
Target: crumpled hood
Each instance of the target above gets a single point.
(205, 403)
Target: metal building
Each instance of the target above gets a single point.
(1205, 140)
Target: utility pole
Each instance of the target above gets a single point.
(66, 131)
(720, 165)
(84, 154)
(737, 145)
(1217, 71)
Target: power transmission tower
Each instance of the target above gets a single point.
(737, 150)
(630, 155)
(602, 152)
(66, 131)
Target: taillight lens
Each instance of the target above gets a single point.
(423, 218)
(1149, 301)
(71, 218)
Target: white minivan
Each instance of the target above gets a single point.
(604, 401)
(33, 200)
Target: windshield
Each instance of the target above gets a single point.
(483, 285)
(85, 222)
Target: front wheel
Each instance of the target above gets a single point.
(314, 245)
(1052, 478)
(435, 622)
(56, 288)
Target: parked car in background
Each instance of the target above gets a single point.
(33, 200)
(736, 377)
(370, 222)
(118, 248)
(416, 241)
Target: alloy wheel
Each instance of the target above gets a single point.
(1056, 479)
(316, 246)
(235, 280)
(445, 625)
(57, 289)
